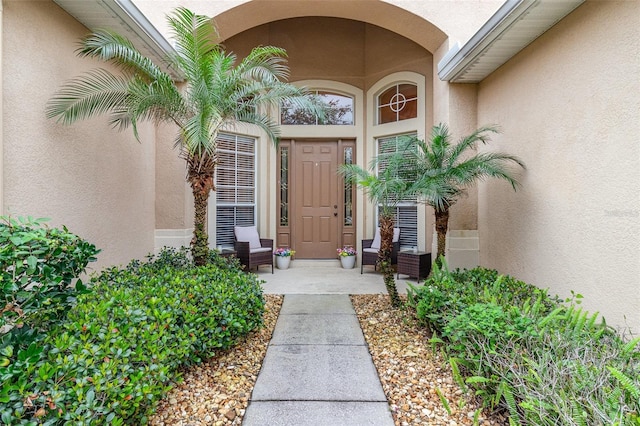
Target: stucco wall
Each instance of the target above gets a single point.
(174, 203)
(569, 107)
(342, 50)
(97, 181)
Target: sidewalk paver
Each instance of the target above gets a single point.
(318, 370)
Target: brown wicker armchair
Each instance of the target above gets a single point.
(370, 250)
(252, 251)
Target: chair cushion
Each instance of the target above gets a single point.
(376, 240)
(259, 250)
(396, 235)
(370, 250)
(248, 234)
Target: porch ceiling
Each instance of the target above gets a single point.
(513, 27)
(123, 17)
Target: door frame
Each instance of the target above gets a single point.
(286, 192)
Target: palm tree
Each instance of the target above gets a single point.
(384, 189)
(441, 172)
(216, 94)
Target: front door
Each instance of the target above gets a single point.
(315, 200)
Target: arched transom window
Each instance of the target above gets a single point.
(398, 102)
(339, 111)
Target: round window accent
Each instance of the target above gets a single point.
(398, 102)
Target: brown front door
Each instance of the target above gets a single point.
(315, 199)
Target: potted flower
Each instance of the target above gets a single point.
(283, 257)
(347, 256)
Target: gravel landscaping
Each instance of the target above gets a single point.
(410, 372)
(217, 392)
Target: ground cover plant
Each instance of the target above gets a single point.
(543, 360)
(117, 347)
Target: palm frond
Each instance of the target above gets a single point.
(156, 101)
(439, 144)
(194, 37)
(94, 93)
(267, 64)
(263, 121)
(438, 173)
(482, 134)
(111, 47)
(486, 165)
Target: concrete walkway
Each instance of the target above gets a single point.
(317, 370)
(326, 277)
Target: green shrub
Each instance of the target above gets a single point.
(544, 361)
(179, 258)
(489, 322)
(446, 294)
(122, 345)
(39, 269)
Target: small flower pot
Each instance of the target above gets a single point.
(282, 262)
(348, 262)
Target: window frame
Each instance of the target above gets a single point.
(392, 102)
(405, 243)
(327, 91)
(235, 206)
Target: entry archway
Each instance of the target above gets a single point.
(382, 14)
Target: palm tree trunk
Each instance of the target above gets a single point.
(442, 223)
(200, 241)
(201, 181)
(384, 258)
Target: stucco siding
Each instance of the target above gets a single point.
(95, 180)
(569, 107)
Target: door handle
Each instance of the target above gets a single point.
(335, 214)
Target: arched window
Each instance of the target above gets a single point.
(396, 110)
(339, 111)
(398, 102)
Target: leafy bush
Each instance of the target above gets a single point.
(521, 350)
(446, 294)
(180, 259)
(121, 346)
(489, 322)
(39, 269)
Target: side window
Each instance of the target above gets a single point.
(398, 102)
(235, 186)
(339, 109)
(406, 214)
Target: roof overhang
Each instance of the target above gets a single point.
(123, 17)
(513, 27)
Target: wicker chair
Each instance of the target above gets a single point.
(252, 251)
(370, 250)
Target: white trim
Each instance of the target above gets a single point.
(376, 131)
(124, 17)
(462, 248)
(172, 238)
(512, 28)
(354, 131)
